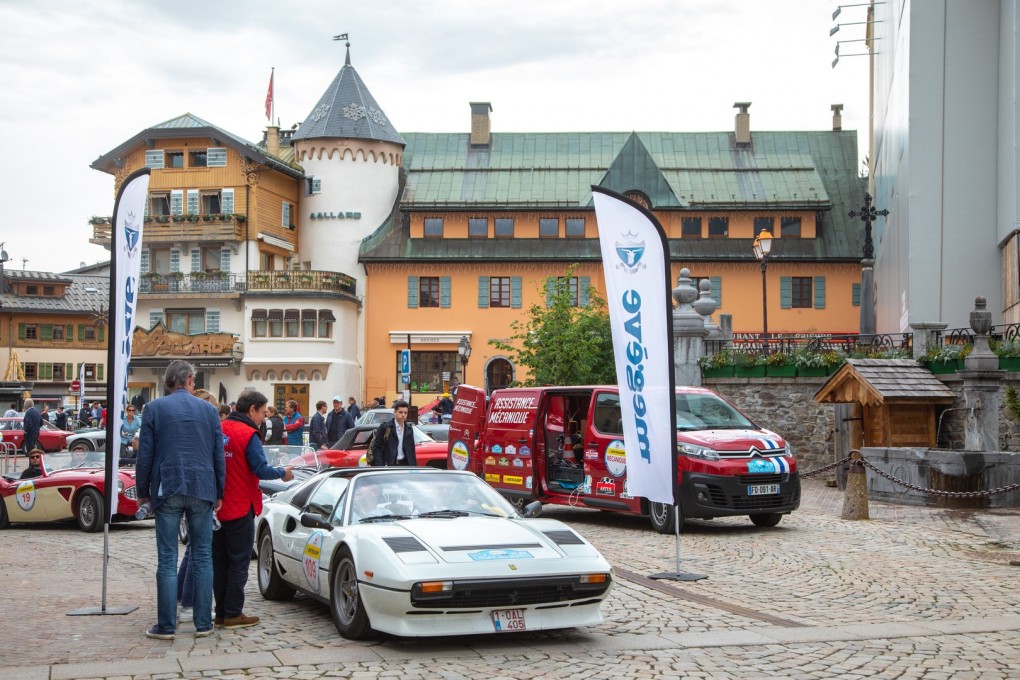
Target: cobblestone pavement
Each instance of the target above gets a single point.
(911, 593)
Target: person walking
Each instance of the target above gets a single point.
(293, 423)
(274, 426)
(393, 443)
(338, 421)
(317, 429)
(31, 423)
(352, 408)
(60, 420)
(180, 470)
(242, 501)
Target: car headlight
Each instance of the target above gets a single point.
(120, 487)
(787, 451)
(698, 452)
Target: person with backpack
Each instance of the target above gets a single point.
(393, 443)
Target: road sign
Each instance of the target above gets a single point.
(75, 386)
(405, 366)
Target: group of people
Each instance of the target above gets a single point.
(193, 464)
(286, 429)
(326, 429)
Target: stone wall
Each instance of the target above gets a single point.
(786, 406)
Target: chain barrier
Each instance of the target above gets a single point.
(934, 492)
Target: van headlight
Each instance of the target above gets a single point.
(698, 452)
(787, 451)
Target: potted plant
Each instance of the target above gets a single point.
(945, 359)
(1008, 352)
(748, 365)
(780, 365)
(817, 364)
(162, 219)
(717, 365)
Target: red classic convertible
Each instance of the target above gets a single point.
(353, 445)
(70, 487)
(51, 438)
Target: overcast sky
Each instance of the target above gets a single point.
(79, 77)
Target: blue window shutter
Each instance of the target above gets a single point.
(855, 295)
(483, 292)
(227, 201)
(819, 292)
(583, 291)
(412, 292)
(444, 292)
(224, 259)
(145, 260)
(515, 292)
(716, 282)
(196, 260)
(785, 292)
(550, 290)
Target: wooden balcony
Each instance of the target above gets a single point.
(177, 228)
(277, 282)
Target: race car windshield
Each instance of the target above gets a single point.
(73, 459)
(708, 412)
(378, 497)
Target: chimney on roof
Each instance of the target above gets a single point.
(481, 125)
(273, 139)
(743, 125)
(837, 117)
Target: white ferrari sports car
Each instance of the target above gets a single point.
(425, 552)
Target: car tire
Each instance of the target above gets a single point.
(182, 530)
(4, 519)
(518, 502)
(82, 445)
(271, 585)
(89, 510)
(662, 518)
(766, 519)
(349, 615)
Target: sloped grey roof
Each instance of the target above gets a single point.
(85, 294)
(885, 380)
(348, 110)
(191, 125)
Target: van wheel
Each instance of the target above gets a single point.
(662, 518)
(766, 519)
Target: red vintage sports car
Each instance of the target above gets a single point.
(350, 451)
(70, 487)
(51, 438)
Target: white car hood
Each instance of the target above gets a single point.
(475, 539)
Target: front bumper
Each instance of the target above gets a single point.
(705, 496)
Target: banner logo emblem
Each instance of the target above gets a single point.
(630, 250)
(131, 232)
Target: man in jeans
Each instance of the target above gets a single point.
(242, 501)
(180, 470)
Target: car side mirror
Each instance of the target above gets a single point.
(533, 509)
(313, 520)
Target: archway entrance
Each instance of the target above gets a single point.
(499, 373)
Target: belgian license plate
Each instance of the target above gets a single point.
(762, 489)
(508, 620)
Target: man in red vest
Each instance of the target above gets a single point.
(242, 502)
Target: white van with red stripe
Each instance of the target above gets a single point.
(564, 445)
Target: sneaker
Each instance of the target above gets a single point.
(203, 633)
(187, 614)
(240, 621)
(156, 634)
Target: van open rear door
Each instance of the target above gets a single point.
(465, 427)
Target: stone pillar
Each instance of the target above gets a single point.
(981, 386)
(688, 332)
(867, 299)
(925, 336)
(726, 329)
(705, 306)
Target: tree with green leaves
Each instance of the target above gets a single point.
(563, 342)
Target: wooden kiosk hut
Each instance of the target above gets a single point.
(884, 403)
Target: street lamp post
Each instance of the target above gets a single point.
(762, 248)
(464, 351)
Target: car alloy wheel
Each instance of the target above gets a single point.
(345, 602)
(90, 510)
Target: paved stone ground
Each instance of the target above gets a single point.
(911, 593)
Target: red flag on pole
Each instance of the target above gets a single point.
(269, 98)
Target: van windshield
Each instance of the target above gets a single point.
(708, 412)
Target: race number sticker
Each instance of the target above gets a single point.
(616, 458)
(310, 560)
(26, 495)
(459, 455)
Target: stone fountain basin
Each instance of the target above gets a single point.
(943, 470)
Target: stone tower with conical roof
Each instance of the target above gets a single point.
(351, 155)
